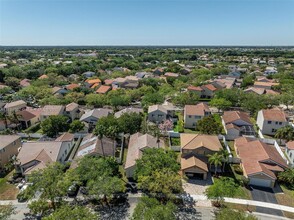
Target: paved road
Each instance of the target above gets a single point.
(265, 195)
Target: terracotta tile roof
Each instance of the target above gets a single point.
(194, 88)
(72, 86)
(103, 89)
(65, 137)
(95, 85)
(194, 141)
(169, 74)
(271, 92)
(93, 81)
(209, 87)
(71, 106)
(290, 145)
(265, 84)
(25, 82)
(44, 76)
(232, 116)
(25, 115)
(108, 81)
(193, 161)
(198, 109)
(274, 114)
(255, 156)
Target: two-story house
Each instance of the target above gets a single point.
(160, 113)
(193, 113)
(195, 149)
(9, 145)
(72, 110)
(11, 107)
(50, 110)
(270, 120)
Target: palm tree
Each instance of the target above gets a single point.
(225, 156)
(286, 133)
(216, 160)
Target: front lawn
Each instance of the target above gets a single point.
(7, 191)
(286, 198)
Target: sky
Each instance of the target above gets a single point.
(147, 22)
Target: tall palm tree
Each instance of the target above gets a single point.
(216, 160)
(225, 156)
(286, 133)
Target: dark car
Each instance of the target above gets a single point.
(132, 187)
(73, 190)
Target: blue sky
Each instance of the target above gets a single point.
(147, 22)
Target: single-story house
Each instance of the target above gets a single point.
(128, 110)
(15, 106)
(137, 144)
(103, 89)
(92, 116)
(260, 162)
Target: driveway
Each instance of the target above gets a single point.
(265, 195)
(198, 187)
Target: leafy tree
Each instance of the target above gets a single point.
(162, 183)
(156, 159)
(208, 125)
(248, 81)
(152, 99)
(55, 124)
(166, 126)
(107, 126)
(221, 188)
(151, 209)
(66, 212)
(39, 207)
(226, 213)
(287, 98)
(232, 95)
(76, 126)
(252, 102)
(12, 82)
(96, 100)
(49, 181)
(185, 98)
(287, 177)
(220, 103)
(130, 123)
(6, 211)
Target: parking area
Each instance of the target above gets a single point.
(265, 195)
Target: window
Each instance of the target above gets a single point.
(269, 122)
(277, 122)
(280, 123)
(290, 155)
(274, 130)
(190, 116)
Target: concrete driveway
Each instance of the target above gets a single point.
(265, 195)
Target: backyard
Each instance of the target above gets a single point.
(7, 191)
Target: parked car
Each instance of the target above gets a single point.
(73, 190)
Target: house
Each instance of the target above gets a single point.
(270, 120)
(236, 75)
(11, 107)
(158, 71)
(208, 91)
(92, 83)
(49, 110)
(92, 145)
(237, 123)
(260, 162)
(160, 113)
(169, 74)
(59, 91)
(44, 76)
(128, 110)
(27, 119)
(290, 151)
(25, 83)
(265, 85)
(261, 91)
(137, 144)
(92, 116)
(195, 149)
(193, 113)
(196, 89)
(37, 155)
(270, 70)
(103, 89)
(72, 86)
(88, 74)
(72, 110)
(9, 145)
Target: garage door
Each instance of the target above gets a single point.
(260, 182)
(194, 175)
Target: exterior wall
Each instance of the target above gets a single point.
(43, 117)
(202, 151)
(270, 129)
(290, 154)
(157, 116)
(130, 171)
(195, 170)
(73, 114)
(15, 108)
(207, 93)
(260, 120)
(262, 177)
(190, 121)
(64, 151)
(91, 119)
(10, 150)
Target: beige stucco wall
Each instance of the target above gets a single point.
(10, 150)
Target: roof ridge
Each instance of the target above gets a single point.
(196, 135)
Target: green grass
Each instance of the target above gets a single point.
(192, 131)
(121, 166)
(286, 198)
(175, 141)
(7, 191)
(231, 145)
